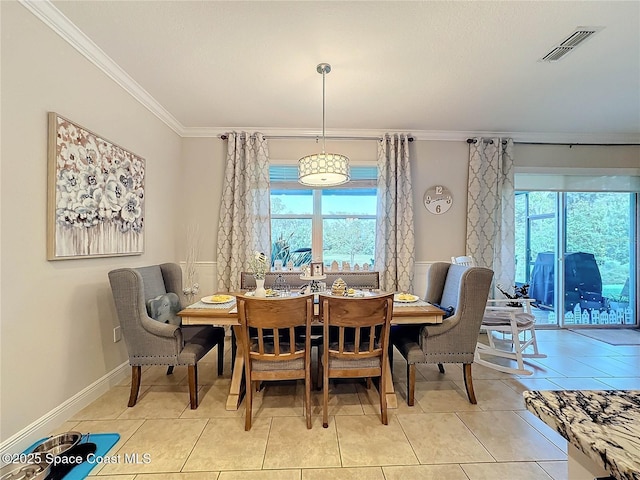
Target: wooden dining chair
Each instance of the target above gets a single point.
(276, 341)
(355, 343)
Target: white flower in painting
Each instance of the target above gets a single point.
(110, 199)
(87, 208)
(131, 209)
(137, 226)
(86, 199)
(68, 181)
(91, 151)
(105, 149)
(91, 177)
(113, 190)
(125, 178)
(70, 132)
(66, 217)
(62, 159)
(137, 168)
(109, 167)
(65, 208)
(66, 200)
(69, 155)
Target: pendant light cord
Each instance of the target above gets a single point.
(324, 73)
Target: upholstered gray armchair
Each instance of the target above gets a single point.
(141, 292)
(466, 289)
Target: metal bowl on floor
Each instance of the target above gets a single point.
(58, 444)
(25, 471)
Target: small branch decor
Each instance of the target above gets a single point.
(258, 265)
(192, 287)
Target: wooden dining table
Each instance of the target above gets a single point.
(200, 314)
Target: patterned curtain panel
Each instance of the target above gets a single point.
(245, 225)
(491, 208)
(394, 256)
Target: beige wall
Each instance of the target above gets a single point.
(57, 318)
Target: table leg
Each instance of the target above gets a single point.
(237, 374)
(392, 399)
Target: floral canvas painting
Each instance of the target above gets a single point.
(96, 195)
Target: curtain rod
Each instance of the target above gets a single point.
(473, 140)
(296, 137)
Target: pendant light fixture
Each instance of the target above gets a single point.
(323, 169)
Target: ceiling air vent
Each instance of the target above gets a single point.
(569, 43)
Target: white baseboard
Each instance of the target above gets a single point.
(63, 412)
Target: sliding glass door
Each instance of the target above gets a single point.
(577, 252)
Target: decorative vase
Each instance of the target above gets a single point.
(260, 291)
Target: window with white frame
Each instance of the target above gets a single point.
(330, 224)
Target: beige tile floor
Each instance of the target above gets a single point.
(442, 437)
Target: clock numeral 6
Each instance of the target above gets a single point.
(438, 208)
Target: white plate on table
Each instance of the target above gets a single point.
(270, 293)
(405, 298)
(214, 299)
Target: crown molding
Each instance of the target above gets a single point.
(59, 23)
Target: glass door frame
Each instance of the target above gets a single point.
(560, 259)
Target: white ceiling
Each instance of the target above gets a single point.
(424, 67)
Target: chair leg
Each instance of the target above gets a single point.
(383, 396)
(411, 383)
(221, 357)
(369, 383)
(135, 385)
(534, 342)
(193, 386)
(468, 383)
(248, 401)
(170, 370)
(441, 368)
(307, 392)
(325, 396)
(517, 348)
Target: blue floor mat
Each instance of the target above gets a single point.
(104, 442)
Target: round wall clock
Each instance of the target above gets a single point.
(438, 199)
